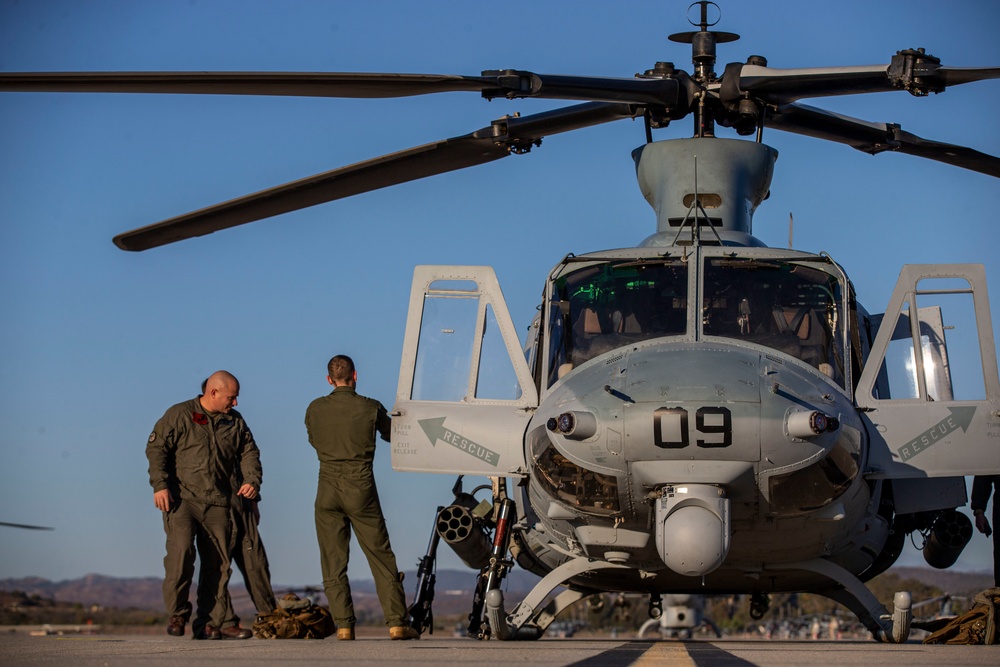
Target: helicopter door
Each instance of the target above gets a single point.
(465, 393)
(929, 388)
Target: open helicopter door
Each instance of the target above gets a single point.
(465, 393)
(929, 388)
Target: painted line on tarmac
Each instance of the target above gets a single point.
(674, 654)
(670, 652)
(641, 654)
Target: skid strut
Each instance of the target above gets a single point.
(530, 617)
(891, 628)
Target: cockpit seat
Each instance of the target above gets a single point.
(805, 326)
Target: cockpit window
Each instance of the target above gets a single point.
(585, 490)
(790, 307)
(819, 484)
(604, 306)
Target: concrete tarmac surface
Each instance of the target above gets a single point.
(23, 650)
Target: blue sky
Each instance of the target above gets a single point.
(98, 342)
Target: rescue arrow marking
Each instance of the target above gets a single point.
(435, 430)
(959, 418)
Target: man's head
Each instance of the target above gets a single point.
(219, 392)
(340, 372)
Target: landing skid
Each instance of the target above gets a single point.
(530, 618)
(891, 628)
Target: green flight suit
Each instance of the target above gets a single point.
(250, 557)
(342, 428)
(982, 488)
(198, 456)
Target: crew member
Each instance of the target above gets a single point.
(342, 427)
(983, 486)
(196, 451)
(250, 557)
(247, 550)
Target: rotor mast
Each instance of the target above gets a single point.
(703, 42)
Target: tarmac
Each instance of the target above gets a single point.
(110, 650)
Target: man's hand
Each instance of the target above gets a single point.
(247, 491)
(982, 524)
(162, 499)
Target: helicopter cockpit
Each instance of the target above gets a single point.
(786, 305)
(604, 306)
(783, 305)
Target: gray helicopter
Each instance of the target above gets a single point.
(696, 414)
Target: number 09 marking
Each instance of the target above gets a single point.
(669, 423)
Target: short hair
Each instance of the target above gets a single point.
(340, 368)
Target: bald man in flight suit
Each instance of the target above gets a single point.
(195, 452)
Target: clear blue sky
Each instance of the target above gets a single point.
(97, 342)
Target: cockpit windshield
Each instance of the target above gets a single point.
(791, 307)
(795, 307)
(604, 306)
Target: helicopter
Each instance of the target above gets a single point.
(683, 615)
(825, 412)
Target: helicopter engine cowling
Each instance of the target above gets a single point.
(692, 528)
(668, 173)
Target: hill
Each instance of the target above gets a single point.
(94, 592)
(961, 584)
(138, 601)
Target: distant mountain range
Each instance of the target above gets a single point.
(453, 590)
(955, 583)
(94, 589)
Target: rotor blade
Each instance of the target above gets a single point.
(782, 86)
(520, 131)
(491, 143)
(665, 92)
(306, 84)
(494, 83)
(877, 137)
(25, 526)
(434, 158)
(954, 76)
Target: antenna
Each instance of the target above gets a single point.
(791, 225)
(699, 210)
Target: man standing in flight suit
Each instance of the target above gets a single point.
(247, 550)
(342, 427)
(982, 488)
(194, 452)
(250, 557)
(248, 553)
